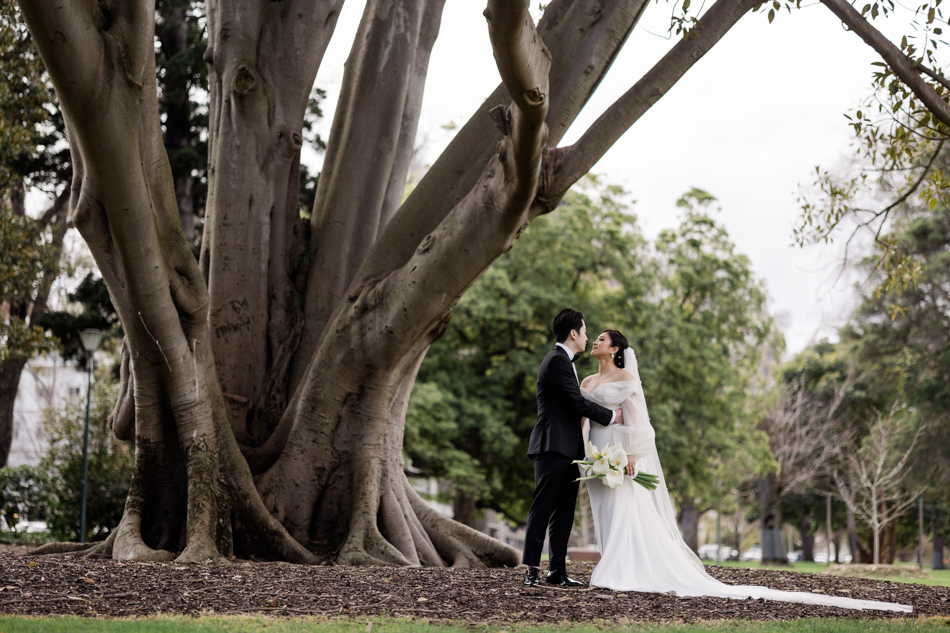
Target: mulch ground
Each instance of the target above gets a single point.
(64, 586)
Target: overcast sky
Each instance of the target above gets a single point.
(748, 124)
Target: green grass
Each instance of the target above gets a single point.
(258, 624)
(941, 577)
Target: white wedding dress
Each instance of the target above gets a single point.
(640, 543)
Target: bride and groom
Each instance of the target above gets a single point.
(639, 540)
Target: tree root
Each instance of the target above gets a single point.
(59, 548)
(458, 544)
(102, 549)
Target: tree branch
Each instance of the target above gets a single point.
(571, 163)
(489, 219)
(934, 75)
(901, 64)
(584, 37)
(368, 153)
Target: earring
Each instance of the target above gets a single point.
(611, 355)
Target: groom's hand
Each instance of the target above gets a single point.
(619, 418)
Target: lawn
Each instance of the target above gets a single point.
(256, 624)
(940, 577)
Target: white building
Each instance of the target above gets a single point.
(47, 381)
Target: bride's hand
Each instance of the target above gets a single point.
(619, 418)
(631, 468)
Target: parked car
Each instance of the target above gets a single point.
(708, 552)
(753, 553)
(31, 527)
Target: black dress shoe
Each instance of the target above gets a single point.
(559, 577)
(532, 577)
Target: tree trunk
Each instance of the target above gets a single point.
(836, 539)
(876, 544)
(859, 550)
(891, 542)
(808, 537)
(9, 383)
(938, 553)
(689, 524)
(770, 522)
(463, 508)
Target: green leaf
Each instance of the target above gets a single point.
(771, 15)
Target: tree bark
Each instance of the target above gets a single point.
(191, 492)
(262, 61)
(938, 553)
(371, 144)
(689, 524)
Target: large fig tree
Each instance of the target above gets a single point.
(266, 385)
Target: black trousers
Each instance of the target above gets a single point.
(555, 497)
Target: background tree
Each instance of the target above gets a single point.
(30, 156)
(24, 494)
(808, 426)
(181, 42)
(316, 330)
(110, 465)
(701, 349)
(871, 480)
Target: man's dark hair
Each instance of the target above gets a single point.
(565, 321)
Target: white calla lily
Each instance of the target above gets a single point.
(618, 457)
(613, 478)
(592, 453)
(601, 466)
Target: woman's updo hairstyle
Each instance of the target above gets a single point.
(617, 340)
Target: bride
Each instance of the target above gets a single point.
(640, 544)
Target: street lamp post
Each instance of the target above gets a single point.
(90, 342)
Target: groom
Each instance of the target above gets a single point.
(556, 441)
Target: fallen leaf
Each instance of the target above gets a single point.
(273, 603)
(84, 579)
(421, 599)
(369, 627)
(77, 598)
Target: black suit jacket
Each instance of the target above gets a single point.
(560, 409)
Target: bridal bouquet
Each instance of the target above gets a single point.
(609, 465)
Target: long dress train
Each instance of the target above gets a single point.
(640, 544)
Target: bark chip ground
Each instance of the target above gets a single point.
(68, 586)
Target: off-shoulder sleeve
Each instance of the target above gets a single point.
(636, 435)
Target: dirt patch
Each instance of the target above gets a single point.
(66, 586)
(879, 571)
